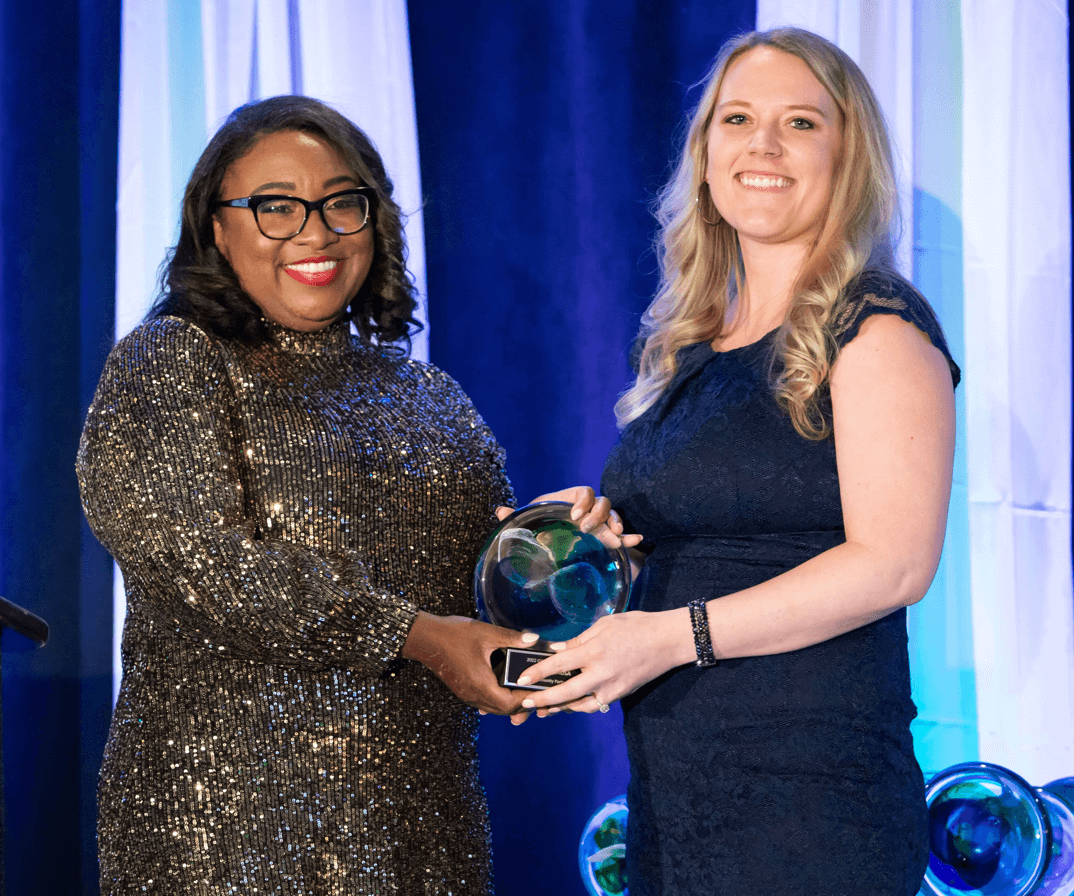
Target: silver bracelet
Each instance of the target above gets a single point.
(699, 620)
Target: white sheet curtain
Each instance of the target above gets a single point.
(1016, 215)
(977, 97)
(186, 65)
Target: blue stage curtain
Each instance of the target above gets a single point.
(545, 130)
(59, 86)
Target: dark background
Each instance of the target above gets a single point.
(59, 114)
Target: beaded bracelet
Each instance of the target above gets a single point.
(699, 619)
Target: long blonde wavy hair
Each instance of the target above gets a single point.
(701, 263)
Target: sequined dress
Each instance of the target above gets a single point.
(785, 774)
(280, 514)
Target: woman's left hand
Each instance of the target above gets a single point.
(593, 514)
(616, 655)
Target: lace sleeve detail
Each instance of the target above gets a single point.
(881, 293)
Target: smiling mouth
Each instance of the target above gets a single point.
(313, 273)
(764, 181)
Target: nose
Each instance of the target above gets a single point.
(316, 233)
(765, 139)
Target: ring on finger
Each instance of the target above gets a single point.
(603, 707)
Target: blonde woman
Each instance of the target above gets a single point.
(786, 451)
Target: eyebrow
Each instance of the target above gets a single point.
(286, 185)
(805, 106)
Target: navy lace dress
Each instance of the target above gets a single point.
(786, 774)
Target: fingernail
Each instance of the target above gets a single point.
(529, 637)
(559, 646)
(528, 703)
(553, 710)
(577, 512)
(482, 712)
(525, 679)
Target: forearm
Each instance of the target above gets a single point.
(268, 601)
(837, 591)
(842, 589)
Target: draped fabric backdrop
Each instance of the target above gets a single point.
(1016, 218)
(59, 81)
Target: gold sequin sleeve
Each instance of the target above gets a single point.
(159, 469)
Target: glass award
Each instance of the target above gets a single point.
(539, 572)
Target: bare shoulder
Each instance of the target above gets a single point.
(888, 348)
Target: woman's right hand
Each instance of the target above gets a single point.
(458, 650)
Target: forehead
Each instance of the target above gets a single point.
(287, 157)
(765, 75)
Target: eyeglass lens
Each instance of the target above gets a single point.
(283, 218)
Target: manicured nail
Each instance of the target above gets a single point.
(558, 646)
(529, 637)
(577, 512)
(553, 710)
(482, 712)
(525, 679)
(528, 703)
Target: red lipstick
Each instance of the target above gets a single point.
(317, 271)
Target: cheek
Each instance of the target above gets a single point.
(712, 159)
(249, 258)
(363, 256)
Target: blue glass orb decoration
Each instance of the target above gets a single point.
(988, 833)
(539, 572)
(1058, 799)
(602, 850)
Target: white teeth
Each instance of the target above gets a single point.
(763, 181)
(314, 267)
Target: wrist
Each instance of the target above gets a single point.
(699, 624)
(680, 647)
(424, 637)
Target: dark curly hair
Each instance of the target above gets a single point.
(198, 283)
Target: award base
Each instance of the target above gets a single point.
(510, 663)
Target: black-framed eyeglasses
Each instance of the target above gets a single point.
(283, 217)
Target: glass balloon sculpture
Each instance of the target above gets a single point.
(602, 850)
(539, 572)
(1058, 799)
(989, 833)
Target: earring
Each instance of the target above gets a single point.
(701, 209)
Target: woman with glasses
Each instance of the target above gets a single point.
(786, 449)
(296, 511)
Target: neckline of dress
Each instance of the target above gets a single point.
(335, 339)
(740, 348)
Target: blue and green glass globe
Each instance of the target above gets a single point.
(539, 572)
(602, 850)
(989, 833)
